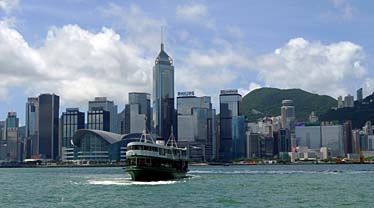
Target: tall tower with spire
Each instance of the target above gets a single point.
(163, 94)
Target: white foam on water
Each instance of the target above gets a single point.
(128, 182)
(262, 172)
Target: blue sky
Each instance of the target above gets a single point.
(80, 49)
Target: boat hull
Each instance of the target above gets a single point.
(153, 173)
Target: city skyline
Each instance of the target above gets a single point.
(204, 46)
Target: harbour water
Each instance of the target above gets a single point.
(207, 186)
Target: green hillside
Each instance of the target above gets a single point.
(268, 101)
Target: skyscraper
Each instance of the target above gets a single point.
(349, 101)
(71, 121)
(196, 125)
(48, 125)
(284, 141)
(288, 115)
(347, 137)
(31, 123)
(102, 104)
(229, 103)
(98, 120)
(359, 95)
(238, 136)
(163, 95)
(138, 113)
(11, 137)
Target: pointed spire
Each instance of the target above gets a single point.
(162, 38)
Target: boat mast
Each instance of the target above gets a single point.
(171, 141)
(146, 134)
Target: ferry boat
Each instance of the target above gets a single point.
(147, 160)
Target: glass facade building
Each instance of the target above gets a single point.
(138, 113)
(196, 126)
(308, 136)
(48, 126)
(284, 141)
(163, 95)
(98, 120)
(238, 137)
(102, 104)
(95, 146)
(31, 125)
(71, 121)
(229, 107)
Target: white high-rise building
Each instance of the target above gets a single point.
(349, 101)
(288, 115)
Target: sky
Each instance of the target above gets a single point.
(81, 49)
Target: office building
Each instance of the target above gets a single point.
(229, 107)
(11, 145)
(48, 126)
(349, 101)
(315, 137)
(253, 145)
(196, 125)
(347, 137)
(288, 115)
(103, 104)
(308, 136)
(163, 95)
(122, 120)
(98, 120)
(340, 102)
(284, 141)
(368, 128)
(71, 121)
(238, 137)
(360, 96)
(31, 125)
(138, 113)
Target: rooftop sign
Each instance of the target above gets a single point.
(186, 94)
(229, 92)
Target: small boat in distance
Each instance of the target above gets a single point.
(147, 160)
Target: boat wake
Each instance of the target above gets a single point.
(128, 182)
(262, 172)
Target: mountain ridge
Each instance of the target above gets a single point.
(268, 101)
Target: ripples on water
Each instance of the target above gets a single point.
(211, 186)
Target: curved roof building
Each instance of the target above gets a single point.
(101, 146)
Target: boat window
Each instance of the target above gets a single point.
(161, 151)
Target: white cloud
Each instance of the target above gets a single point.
(331, 69)
(192, 11)
(8, 5)
(342, 10)
(214, 58)
(141, 30)
(252, 86)
(196, 13)
(345, 9)
(73, 63)
(235, 31)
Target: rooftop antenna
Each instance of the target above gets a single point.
(162, 38)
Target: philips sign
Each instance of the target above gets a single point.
(229, 92)
(186, 94)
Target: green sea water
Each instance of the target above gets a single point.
(208, 186)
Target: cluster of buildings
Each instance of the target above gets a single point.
(348, 101)
(102, 133)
